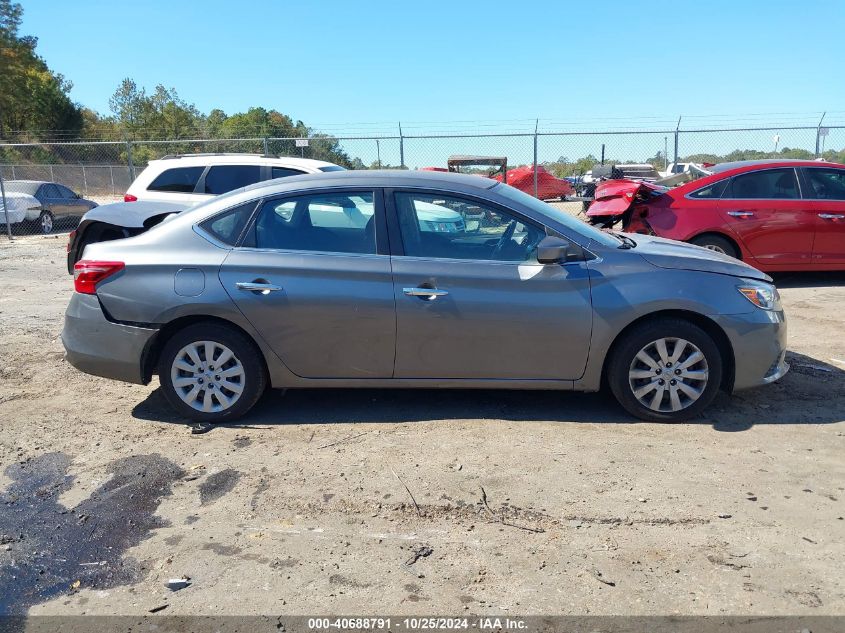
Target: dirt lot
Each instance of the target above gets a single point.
(306, 506)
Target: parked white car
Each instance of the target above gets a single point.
(193, 178)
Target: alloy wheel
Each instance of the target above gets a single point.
(668, 375)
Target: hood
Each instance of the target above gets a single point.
(132, 215)
(613, 197)
(664, 253)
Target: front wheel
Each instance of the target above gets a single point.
(667, 370)
(211, 373)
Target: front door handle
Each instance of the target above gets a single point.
(258, 287)
(831, 216)
(741, 214)
(424, 293)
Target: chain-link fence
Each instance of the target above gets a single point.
(99, 172)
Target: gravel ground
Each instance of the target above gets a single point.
(414, 502)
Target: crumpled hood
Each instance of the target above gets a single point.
(19, 201)
(664, 253)
(132, 214)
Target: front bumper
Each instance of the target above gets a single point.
(758, 339)
(97, 346)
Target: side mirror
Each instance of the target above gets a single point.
(553, 250)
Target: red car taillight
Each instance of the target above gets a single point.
(88, 273)
(128, 197)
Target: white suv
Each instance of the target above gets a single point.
(191, 178)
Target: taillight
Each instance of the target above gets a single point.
(70, 239)
(87, 273)
(128, 197)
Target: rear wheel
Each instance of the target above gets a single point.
(211, 373)
(716, 243)
(45, 222)
(666, 370)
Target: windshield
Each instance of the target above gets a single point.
(21, 186)
(562, 217)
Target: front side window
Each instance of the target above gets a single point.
(226, 178)
(712, 191)
(228, 226)
(826, 183)
(766, 184)
(177, 180)
(330, 223)
(435, 225)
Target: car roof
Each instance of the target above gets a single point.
(771, 162)
(377, 178)
(236, 158)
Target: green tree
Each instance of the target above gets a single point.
(33, 99)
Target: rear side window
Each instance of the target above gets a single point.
(226, 178)
(825, 183)
(228, 226)
(713, 190)
(767, 184)
(284, 172)
(177, 180)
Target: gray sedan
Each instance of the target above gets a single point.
(344, 280)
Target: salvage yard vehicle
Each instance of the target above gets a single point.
(173, 183)
(39, 204)
(258, 288)
(777, 215)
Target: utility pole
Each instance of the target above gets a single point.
(378, 153)
(677, 133)
(401, 147)
(536, 127)
(819, 134)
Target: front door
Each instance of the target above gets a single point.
(764, 208)
(311, 279)
(825, 193)
(473, 302)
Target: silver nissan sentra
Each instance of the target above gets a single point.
(416, 279)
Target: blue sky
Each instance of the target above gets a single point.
(335, 62)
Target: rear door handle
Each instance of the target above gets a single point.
(425, 293)
(831, 216)
(741, 214)
(258, 287)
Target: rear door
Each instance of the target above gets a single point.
(824, 192)
(764, 208)
(473, 302)
(48, 196)
(313, 276)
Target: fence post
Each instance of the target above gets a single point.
(52, 178)
(401, 147)
(111, 175)
(84, 182)
(677, 133)
(536, 126)
(5, 208)
(266, 146)
(819, 135)
(13, 173)
(129, 160)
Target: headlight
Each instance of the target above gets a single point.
(762, 295)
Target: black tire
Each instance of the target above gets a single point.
(622, 359)
(716, 243)
(253, 381)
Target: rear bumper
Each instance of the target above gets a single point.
(759, 345)
(95, 345)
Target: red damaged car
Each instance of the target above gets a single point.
(776, 215)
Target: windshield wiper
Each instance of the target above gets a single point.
(627, 242)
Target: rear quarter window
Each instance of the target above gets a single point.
(177, 180)
(228, 226)
(712, 191)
